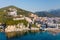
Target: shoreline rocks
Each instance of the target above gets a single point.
(15, 29)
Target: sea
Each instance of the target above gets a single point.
(42, 35)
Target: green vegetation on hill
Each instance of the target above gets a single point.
(9, 20)
(51, 13)
(19, 11)
(44, 14)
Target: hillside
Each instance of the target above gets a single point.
(44, 14)
(5, 19)
(51, 13)
(19, 10)
(55, 12)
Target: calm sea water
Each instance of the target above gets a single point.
(3, 36)
(33, 36)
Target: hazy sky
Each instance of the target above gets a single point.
(32, 5)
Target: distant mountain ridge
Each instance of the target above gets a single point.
(55, 12)
(51, 13)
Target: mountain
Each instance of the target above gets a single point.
(19, 10)
(51, 13)
(44, 14)
(9, 19)
(55, 12)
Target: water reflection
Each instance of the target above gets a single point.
(54, 33)
(30, 35)
(20, 33)
(3, 36)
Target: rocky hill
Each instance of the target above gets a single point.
(9, 20)
(19, 10)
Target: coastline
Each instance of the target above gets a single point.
(21, 29)
(19, 32)
(54, 30)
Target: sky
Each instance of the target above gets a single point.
(32, 5)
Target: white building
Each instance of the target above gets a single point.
(28, 19)
(12, 12)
